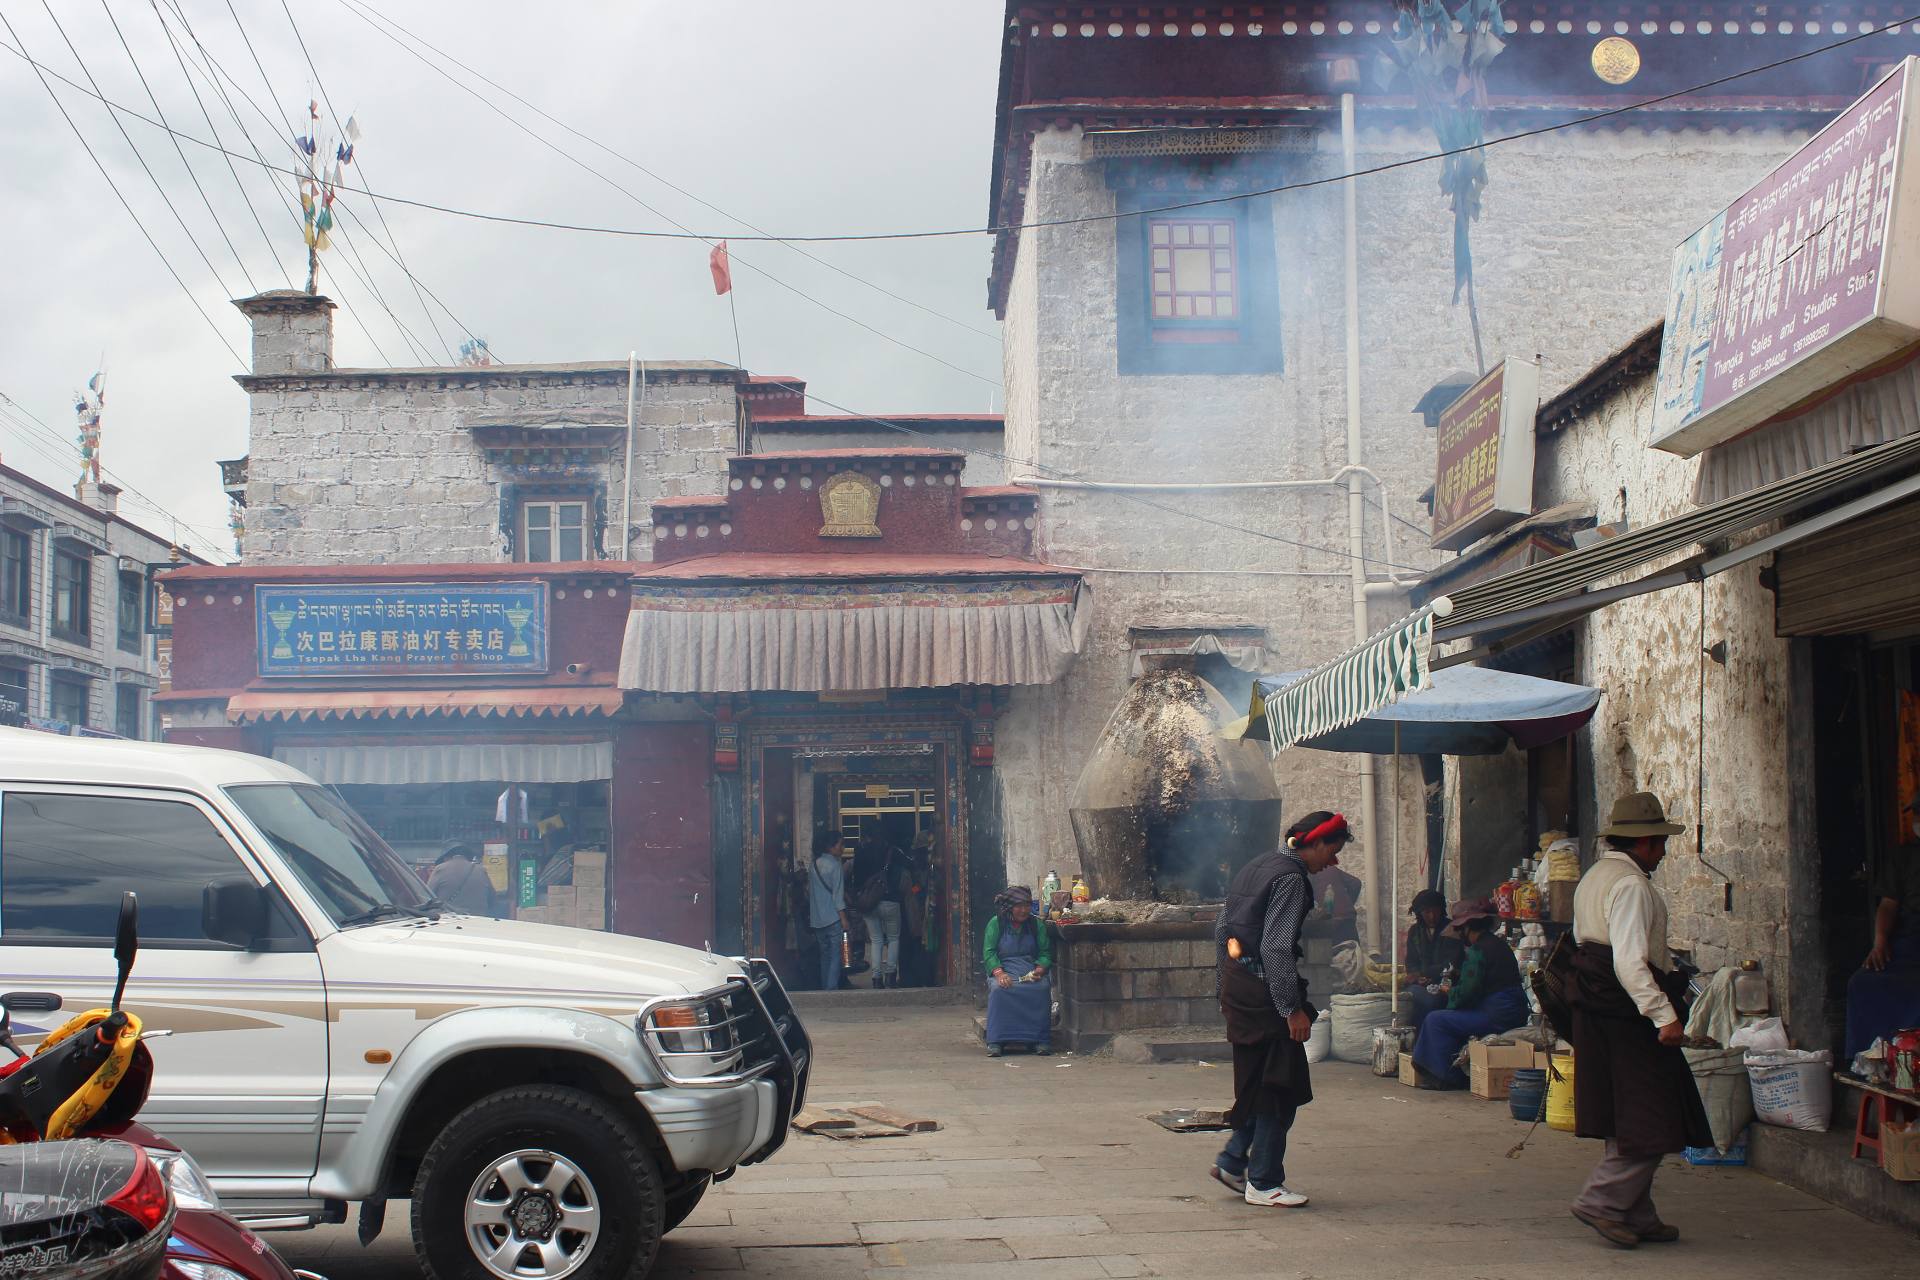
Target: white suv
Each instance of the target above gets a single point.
(551, 1100)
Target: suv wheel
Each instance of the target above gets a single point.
(538, 1183)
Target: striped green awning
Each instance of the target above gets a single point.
(1390, 665)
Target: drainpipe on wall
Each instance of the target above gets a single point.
(1344, 75)
(635, 384)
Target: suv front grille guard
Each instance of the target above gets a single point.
(747, 1030)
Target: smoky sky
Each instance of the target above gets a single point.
(827, 117)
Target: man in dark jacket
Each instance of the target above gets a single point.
(1633, 1087)
(1257, 940)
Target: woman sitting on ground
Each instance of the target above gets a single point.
(1018, 958)
(1486, 999)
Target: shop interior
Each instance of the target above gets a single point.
(887, 799)
(529, 836)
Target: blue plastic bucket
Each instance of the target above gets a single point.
(1527, 1093)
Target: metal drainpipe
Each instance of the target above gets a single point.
(635, 379)
(1345, 73)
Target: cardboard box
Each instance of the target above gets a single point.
(589, 868)
(1491, 1067)
(1408, 1076)
(590, 906)
(562, 906)
(1559, 902)
(534, 915)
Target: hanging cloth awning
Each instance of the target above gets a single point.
(1467, 711)
(1544, 597)
(425, 763)
(850, 634)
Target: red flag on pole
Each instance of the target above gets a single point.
(722, 271)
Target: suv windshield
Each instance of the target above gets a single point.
(342, 862)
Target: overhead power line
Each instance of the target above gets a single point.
(1061, 474)
(178, 150)
(370, 15)
(1082, 220)
(341, 128)
(41, 73)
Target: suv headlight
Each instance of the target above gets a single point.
(691, 1038)
(191, 1190)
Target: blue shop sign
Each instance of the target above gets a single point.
(495, 628)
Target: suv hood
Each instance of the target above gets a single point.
(515, 961)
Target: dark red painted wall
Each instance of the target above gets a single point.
(662, 874)
(782, 515)
(213, 625)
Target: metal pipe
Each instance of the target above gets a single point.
(1356, 512)
(1394, 908)
(626, 476)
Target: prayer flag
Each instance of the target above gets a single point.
(722, 270)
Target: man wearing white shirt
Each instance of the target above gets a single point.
(1632, 1087)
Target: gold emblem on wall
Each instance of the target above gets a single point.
(850, 504)
(1615, 60)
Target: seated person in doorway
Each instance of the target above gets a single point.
(1338, 893)
(1019, 958)
(1884, 996)
(1486, 998)
(459, 880)
(1430, 953)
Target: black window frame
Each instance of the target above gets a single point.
(63, 680)
(64, 589)
(285, 930)
(122, 693)
(16, 576)
(24, 685)
(1258, 346)
(130, 604)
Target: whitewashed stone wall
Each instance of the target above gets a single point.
(378, 465)
(1572, 258)
(1644, 653)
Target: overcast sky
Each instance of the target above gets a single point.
(820, 117)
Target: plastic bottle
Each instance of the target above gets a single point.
(1050, 886)
(1081, 894)
(1503, 896)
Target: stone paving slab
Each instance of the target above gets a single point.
(1055, 1172)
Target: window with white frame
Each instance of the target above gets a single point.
(554, 530)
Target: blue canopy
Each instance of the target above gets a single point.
(1469, 711)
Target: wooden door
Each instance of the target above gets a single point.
(662, 875)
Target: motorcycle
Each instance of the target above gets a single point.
(88, 1080)
(84, 1209)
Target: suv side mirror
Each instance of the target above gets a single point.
(233, 911)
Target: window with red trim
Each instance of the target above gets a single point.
(1193, 279)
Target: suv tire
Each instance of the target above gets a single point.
(512, 1170)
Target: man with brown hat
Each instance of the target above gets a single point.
(1633, 1087)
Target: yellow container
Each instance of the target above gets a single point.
(1560, 1093)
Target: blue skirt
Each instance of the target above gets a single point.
(1444, 1032)
(1878, 1004)
(1023, 1012)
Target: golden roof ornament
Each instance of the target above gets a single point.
(850, 504)
(1615, 60)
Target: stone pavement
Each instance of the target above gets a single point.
(1045, 1167)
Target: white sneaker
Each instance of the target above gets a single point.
(1278, 1198)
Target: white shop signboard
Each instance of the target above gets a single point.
(1812, 275)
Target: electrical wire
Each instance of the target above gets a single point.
(352, 251)
(137, 153)
(178, 150)
(214, 72)
(1082, 220)
(118, 194)
(341, 128)
(368, 14)
(180, 59)
(764, 274)
(1061, 474)
(35, 433)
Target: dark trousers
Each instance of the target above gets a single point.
(1257, 1150)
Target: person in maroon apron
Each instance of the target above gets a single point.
(1257, 943)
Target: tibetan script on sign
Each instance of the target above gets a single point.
(406, 629)
(850, 504)
(1792, 284)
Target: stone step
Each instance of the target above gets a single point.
(890, 998)
(1146, 1045)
